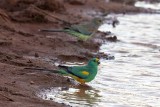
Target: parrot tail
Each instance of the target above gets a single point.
(52, 30)
(61, 71)
(63, 67)
(66, 69)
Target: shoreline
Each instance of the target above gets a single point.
(23, 46)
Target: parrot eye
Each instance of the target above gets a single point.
(100, 20)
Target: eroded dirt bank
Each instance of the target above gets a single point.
(22, 45)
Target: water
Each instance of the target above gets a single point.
(148, 5)
(132, 79)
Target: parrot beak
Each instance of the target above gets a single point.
(97, 61)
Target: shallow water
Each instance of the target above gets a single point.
(132, 79)
(148, 5)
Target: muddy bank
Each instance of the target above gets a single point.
(22, 45)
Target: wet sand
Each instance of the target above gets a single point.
(22, 45)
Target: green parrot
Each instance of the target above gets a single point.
(82, 74)
(82, 31)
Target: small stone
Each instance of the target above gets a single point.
(41, 43)
(36, 55)
(64, 88)
(51, 99)
(112, 38)
(29, 61)
(13, 82)
(31, 82)
(68, 80)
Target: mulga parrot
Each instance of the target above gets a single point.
(82, 31)
(82, 74)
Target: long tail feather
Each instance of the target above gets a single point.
(51, 30)
(62, 66)
(48, 70)
(65, 68)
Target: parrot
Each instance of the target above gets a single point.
(83, 31)
(82, 74)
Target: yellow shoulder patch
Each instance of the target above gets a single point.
(85, 73)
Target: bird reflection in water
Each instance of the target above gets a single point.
(83, 93)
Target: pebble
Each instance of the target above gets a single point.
(31, 82)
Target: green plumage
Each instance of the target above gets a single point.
(82, 31)
(81, 73)
(77, 34)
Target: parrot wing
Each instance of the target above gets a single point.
(78, 71)
(81, 29)
(77, 34)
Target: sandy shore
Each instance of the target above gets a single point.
(22, 45)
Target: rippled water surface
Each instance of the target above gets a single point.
(148, 5)
(132, 79)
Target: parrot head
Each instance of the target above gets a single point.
(94, 62)
(98, 21)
